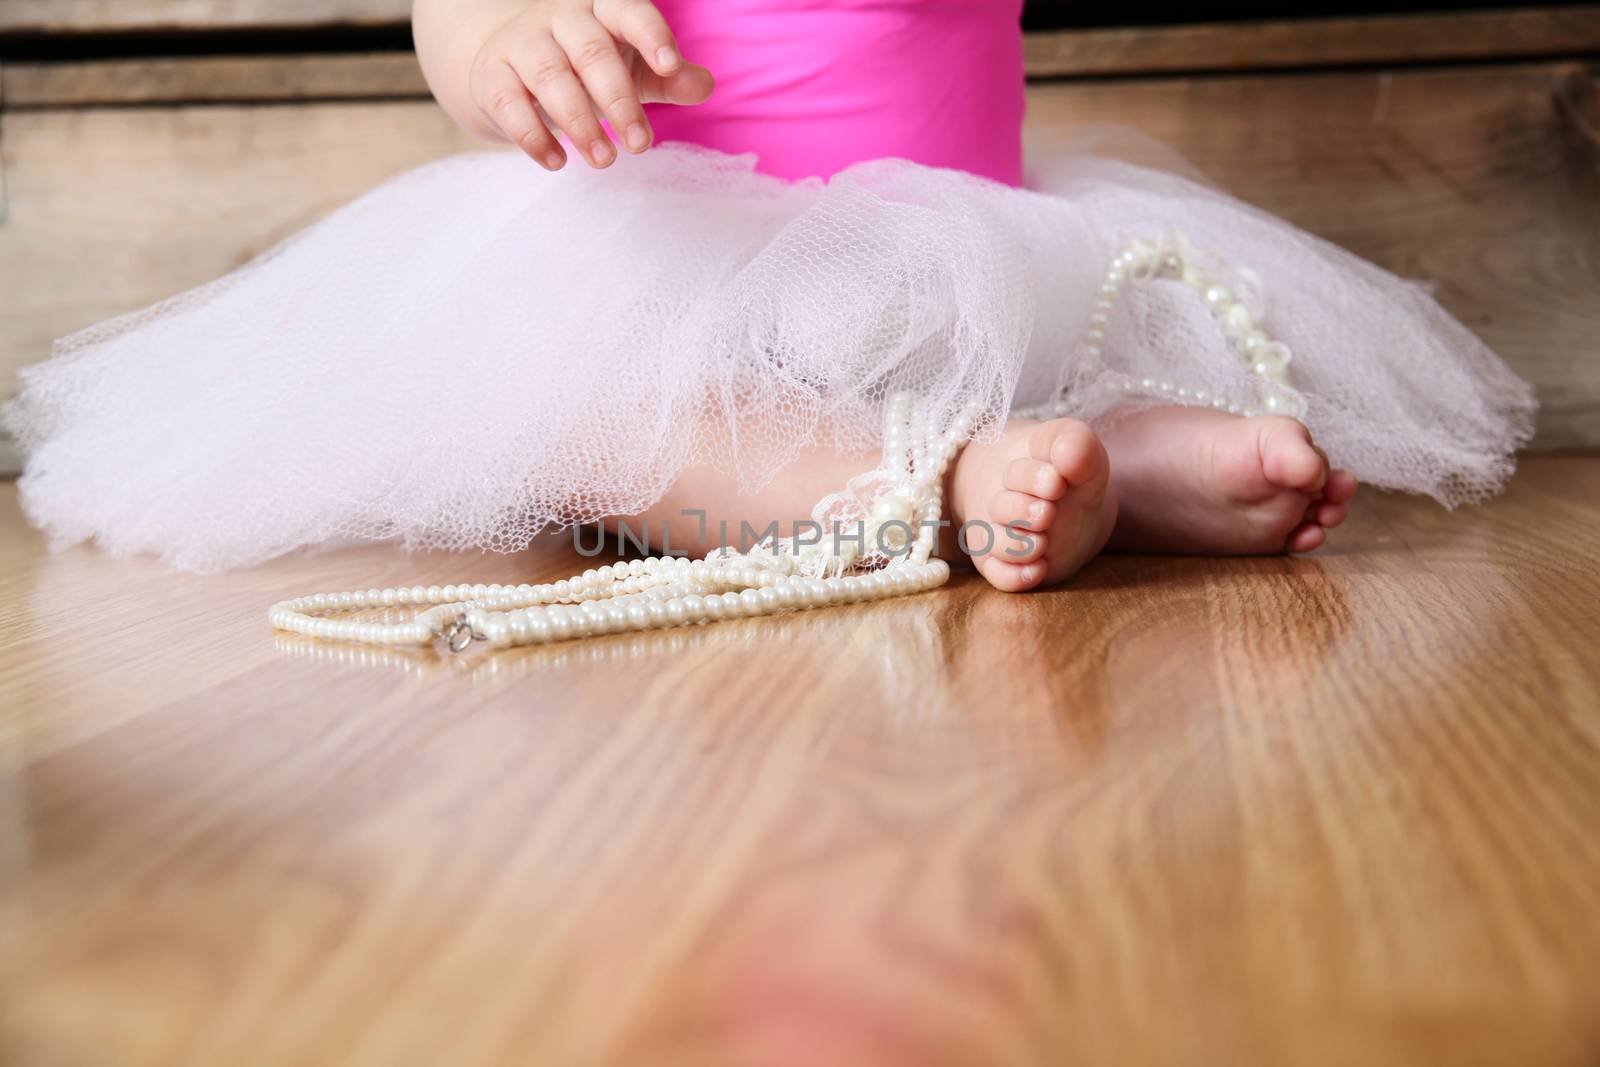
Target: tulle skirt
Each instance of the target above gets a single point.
(477, 350)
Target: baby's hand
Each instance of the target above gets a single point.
(556, 61)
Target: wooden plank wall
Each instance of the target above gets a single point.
(159, 16)
(127, 180)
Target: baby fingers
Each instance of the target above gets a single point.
(605, 77)
(660, 72)
(566, 67)
(544, 68)
(639, 24)
(507, 104)
(689, 84)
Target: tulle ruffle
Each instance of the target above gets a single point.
(477, 350)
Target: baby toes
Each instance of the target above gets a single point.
(1341, 487)
(1011, 577)
(1288, 458)
(1330, 515)
(1011, 508)
(1306, 537)
(1072, 448)
(1015, 530)
(1051, 512)
(1036, 477)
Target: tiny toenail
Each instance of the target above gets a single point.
(1036, 510)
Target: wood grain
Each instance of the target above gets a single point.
(156, 16)
(212, 80)
(1326, 810)
(1516, 32)
(1455, 36)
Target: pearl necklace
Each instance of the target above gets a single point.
(1266, 359)
(641, 594)
(891, 557)
(664, 591)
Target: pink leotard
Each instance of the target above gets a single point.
(812, 86)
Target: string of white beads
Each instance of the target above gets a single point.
(666, 591)
(1267, 360)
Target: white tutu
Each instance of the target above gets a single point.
(478, 350)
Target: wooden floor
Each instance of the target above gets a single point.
(1342, 809)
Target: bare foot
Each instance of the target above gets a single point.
(1036, 505)
(1203, 482)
